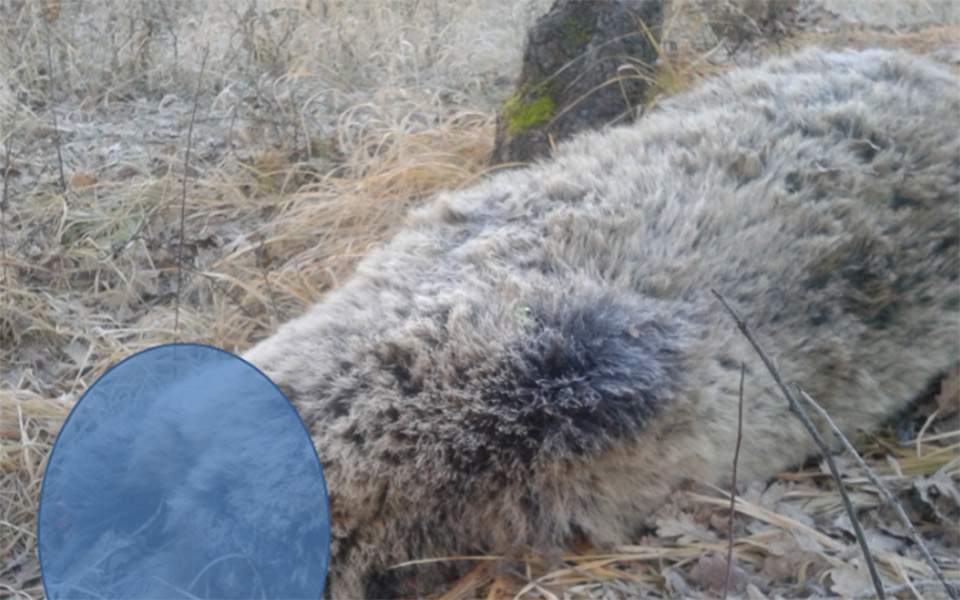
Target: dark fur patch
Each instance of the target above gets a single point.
(585, 377)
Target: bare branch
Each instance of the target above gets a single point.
(797, 409)
(889, 498)
(183, 193)
(733, 484)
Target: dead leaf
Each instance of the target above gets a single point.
(77, 352)
(51, 11)
(790, 552)
(684, 529)
(849, 582)
(127, 172)
(940, 493)
(82, 180)
(675, 583)
(805, 541)
(754, 593)
(710, 573)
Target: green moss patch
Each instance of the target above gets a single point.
(527, 109)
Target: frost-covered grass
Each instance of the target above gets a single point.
(319, 123)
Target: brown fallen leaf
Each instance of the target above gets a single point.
(710, 572)
(82, 180)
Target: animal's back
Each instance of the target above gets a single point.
(539, 358)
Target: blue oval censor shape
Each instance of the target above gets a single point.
(183, 472)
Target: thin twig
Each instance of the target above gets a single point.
(3, 204)
(889, 498)
(53, 109)
(183, 193)
(262, 264)
(797, 409)
(733, 484)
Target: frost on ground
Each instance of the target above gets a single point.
(319, 123)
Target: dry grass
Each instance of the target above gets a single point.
(320, 124)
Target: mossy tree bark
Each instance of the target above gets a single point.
(586, 65)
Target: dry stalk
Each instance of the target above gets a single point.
(3, 206)
(889, 498)
(53, 108)
(797, 409)
(261, 259)
(733, 484)
(183, 193)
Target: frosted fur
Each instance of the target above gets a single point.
(539, 359)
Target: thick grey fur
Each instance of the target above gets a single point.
(538, 359)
